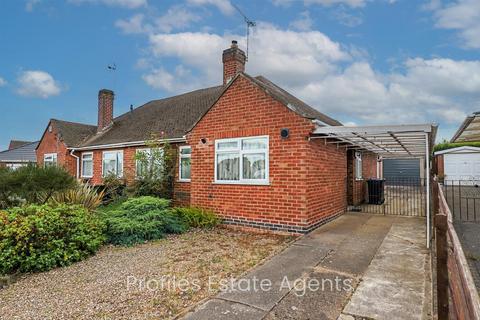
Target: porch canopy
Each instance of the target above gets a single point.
(387, 141)
(393, 141)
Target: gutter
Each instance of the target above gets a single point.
(78, 162)
(125, 144)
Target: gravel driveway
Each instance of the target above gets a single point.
(140, 282)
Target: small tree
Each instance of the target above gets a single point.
(38, 184)
(155, 169)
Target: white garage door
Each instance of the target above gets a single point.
(462, 166)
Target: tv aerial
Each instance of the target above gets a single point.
(249, 24)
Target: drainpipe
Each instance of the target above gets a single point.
(78, 162)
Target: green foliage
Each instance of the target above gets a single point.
(41, 237)
(141, 219)
(32, 184)
(444, 145)
(197, 217)
(82, 194)
(155, 170)
(113, 188)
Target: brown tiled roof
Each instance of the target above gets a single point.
(469, 130)
(293, 102)
(17, 143)
(173, 116)
(72, 133)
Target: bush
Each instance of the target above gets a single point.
(444, 145)
(82, 194)
(113, 188)
(32, 184)
(41, 237)
(197, 217)
(142, 219)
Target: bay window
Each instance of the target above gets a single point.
(49, 159)
(184, 164)
(242, 160)
(87, 165)
(112, 163)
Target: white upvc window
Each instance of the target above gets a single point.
(112, 163)
(87, 165)
(49, 159)
(184, 164)
(242, 160)
(146, 159)
(358, 166)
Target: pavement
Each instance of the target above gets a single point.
(355, 267)
(469, 235)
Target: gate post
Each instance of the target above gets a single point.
(441, 225)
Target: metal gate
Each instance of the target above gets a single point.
(463, 198)
(403, 196)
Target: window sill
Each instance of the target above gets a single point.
(85, 177)
(184, 180)
(243, 183)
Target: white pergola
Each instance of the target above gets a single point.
(390, 141)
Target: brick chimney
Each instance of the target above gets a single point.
(233, 62)
(105, 109)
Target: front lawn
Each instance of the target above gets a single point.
(125, 282)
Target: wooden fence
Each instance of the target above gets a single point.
(457, 296)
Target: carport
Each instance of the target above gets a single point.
(387, 142)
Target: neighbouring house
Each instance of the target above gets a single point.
(461, 161)
(244, 150)
(469, 130)
(19, 154)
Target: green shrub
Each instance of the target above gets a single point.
(444, 145)
(113, 188)
(197, 217)
(41, 237)
(32, 184)
(141, 219)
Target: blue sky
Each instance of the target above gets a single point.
(360, 61)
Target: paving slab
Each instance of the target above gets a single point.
(216, 309)
(325, 303)
(393, 286)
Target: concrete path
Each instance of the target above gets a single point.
(360, 254)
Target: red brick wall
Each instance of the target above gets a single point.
(297, 167)
(440, 166)
(327, 178)
(181, 189)
(51, 144)
(357, 188)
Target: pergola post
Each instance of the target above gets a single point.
(427, 186)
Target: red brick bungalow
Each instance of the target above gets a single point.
(244, 151)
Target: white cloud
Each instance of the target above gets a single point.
(133, 25)
(327, 3)
(327, 75)
(35, 83)
(3, 82)
(461, 15)
(308, 55)
(176, 17)
(30, 4)
(303, 23)
(130, 4)
(346, 18)
(225, 6)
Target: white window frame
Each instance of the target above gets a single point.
(358, 166)
(265, 181)
(123, 160)
(83, 168)
(54, 158)
(184, 156)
